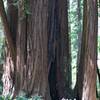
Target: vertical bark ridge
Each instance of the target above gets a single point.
(89, 52)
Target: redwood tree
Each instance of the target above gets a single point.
(42, 32)
(10, 29)
(58, 50)
(32, 62)
(29, 53)
(88, 63)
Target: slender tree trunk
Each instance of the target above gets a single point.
(12, 16)
(8, 33)
(88, 63)
(10, 28)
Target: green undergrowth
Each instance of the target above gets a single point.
(21, 98)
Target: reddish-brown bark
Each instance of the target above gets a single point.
(88, 63)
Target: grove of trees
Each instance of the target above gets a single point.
(42, 37)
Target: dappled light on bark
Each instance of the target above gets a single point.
(7, 78)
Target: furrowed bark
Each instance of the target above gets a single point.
(88, 62)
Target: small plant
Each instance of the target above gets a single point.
(2, 98)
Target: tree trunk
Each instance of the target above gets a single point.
(58, 50)
(31, 65)
(53, 35)
(32, 62)
(65, 55)
(88, 63)
(10, 28)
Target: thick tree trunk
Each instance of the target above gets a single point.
(88, 63)
(65, 55)
(53, 30)
(37, 49)
(32, 61)
(58, 50)
(31, 65)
